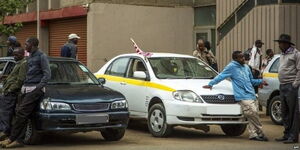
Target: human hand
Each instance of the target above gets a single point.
(207, 87)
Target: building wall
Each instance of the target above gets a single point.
(225, 8)
(265, 23)
(156, 29)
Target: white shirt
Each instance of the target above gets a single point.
(255, 59)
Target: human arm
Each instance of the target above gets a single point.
(226, 73)
(20, 78)
(296, 83)
(46, 71)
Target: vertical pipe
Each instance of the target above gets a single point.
(38, 18)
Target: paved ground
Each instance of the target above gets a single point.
(138, 138)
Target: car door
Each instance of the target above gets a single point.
(115, 74)
(271, 77)
(136, 89)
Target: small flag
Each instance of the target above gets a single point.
(139, 51)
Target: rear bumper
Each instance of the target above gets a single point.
(67, 122)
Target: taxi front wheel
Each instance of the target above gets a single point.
(157, 123)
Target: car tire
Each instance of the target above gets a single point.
(32, 136)
(234, 129)
(275, 110)
(110, 134)
(157, 122)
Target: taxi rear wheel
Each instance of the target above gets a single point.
(157, 123)
(275, 110)
(113, 134)
(234, 129)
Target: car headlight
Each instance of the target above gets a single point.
(119, 104)
(187, 96)
(46, 104)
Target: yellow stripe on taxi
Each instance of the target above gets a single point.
(136, 82)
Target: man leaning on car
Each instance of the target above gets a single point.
(11, 89)
(33, 89)
(289, 78)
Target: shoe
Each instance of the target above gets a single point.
(290, 141)
(3, 136)
(257, 138)
(14, 144)
(5, 142)
(281, 139)
(264, 138)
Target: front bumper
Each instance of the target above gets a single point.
(185, 113)
(67, 122)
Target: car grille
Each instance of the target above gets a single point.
(92, 107)
(219, 99)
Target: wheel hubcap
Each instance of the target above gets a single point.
(276, 111)
(157, 120)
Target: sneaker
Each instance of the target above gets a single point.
(14, 144)
(5, 142)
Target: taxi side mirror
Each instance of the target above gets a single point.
(102, 81)
(140, 75)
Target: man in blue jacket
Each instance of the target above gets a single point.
(243, 88)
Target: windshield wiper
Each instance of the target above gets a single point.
(59, 83)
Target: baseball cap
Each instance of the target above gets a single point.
(12, 39)
(73, 36)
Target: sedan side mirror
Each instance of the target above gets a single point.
(102, 81)
(140, 75)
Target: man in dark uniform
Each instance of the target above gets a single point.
(33, 90)
(11, 89)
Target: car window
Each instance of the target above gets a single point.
(2, 65)
(275, 66)
(70, 73)
(9, 68)
(180, 68)
(118, 67)
(136, 65)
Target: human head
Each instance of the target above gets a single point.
(31, 44)
(259, 43)
(18, 53)
(284, 42)
(74, 38)
(239, 57)
(207, 45)
(201, 45)
(11, 40)
(270, 52)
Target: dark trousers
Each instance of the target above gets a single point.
(25, 108)
(290, 110)
(256, 75)
(7, 110)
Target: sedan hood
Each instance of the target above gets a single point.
(80, 93)
(195, 85)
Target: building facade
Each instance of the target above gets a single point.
(105, 26)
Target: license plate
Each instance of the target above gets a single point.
(91, 118)
(223, 110)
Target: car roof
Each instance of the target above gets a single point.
(49, 57)
(157, 55)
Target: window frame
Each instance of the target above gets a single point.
(108, 69)
(273, 64)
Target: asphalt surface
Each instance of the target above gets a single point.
(138, 138)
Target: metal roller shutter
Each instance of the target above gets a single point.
(28, 30)
(58, 36)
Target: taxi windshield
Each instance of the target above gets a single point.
(180, 68)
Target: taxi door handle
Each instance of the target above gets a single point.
(123, 83)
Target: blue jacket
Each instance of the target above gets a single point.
(242, 80)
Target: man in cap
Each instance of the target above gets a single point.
(255, 61)
(70, 48)
(289, 78)
(11, 44)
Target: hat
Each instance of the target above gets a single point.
(73, 36)
(259, 42)
(12, 39)
(284, 38)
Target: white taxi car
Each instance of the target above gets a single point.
(166, 89)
